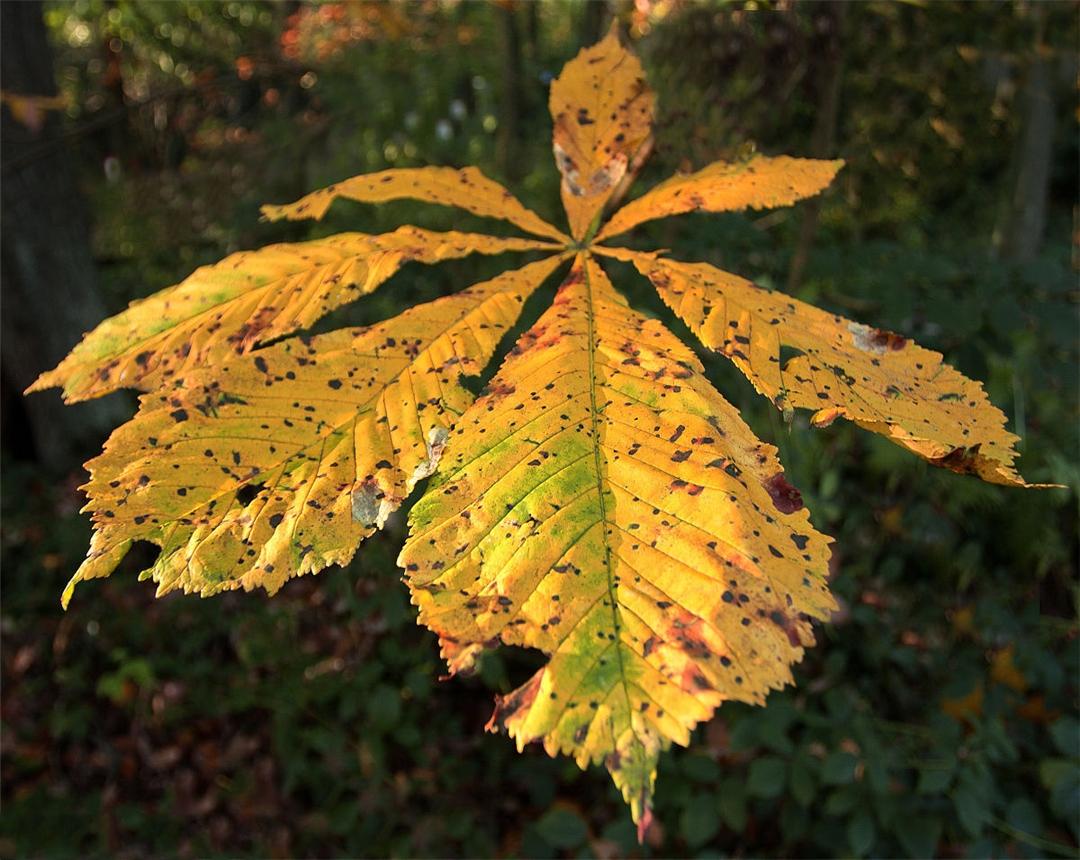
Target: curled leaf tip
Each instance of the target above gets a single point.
(644, 822)
(66, 595)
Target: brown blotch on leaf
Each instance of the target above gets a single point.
(508, 705)
(877, 340)
(963, 461)
(790, 628)
(786, 498)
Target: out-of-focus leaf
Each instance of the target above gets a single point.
(861, 833)
(700, 819)
(733, 804)
(920, 835)
(838, 768)
(562, 828)
(767, 777)
(1066, 735)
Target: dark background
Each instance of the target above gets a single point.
(938, 714)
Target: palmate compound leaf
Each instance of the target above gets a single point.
(278, 463)
(249, 298)
(604, 504)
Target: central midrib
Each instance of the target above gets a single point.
(597, 464)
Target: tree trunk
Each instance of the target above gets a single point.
(1021, 235)
(830, 46)
(593, 19)
(50, 294)
(532, 32)
(506, 143)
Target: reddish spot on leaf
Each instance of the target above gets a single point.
(786, 498)
(887, 339)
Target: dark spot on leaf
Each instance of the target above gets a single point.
(785, 497)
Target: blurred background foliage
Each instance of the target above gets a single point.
(938, 714)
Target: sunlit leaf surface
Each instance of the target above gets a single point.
(466, 189)
(603, 503)
(249, 298)
(602, 111)
(279, 463)
(599, 502)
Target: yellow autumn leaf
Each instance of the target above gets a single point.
(31, 110)
(757, 183)
(604, 504)
(249, 298)
(600, 502)
(278, 463)
(967, 708)
(963, 620)
(842, 369)
(466, 189)
(602, 111)
(1003, 669)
